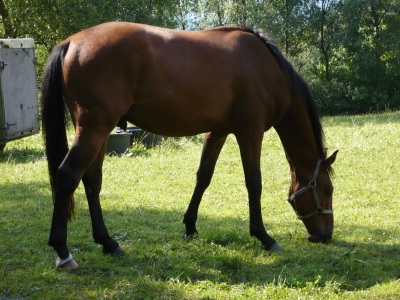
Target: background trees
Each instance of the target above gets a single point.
(348, 50)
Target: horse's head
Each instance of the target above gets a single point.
(311, 199)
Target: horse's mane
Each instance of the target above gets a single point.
(299, 85)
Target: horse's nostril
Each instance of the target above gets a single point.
(320, 237)
(314, 238)
(325, 237)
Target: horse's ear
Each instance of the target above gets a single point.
(331, 159)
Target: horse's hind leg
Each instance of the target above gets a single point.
(81, 155)
(250, 150)
(213, 143)
(92, 180)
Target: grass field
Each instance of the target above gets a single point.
(146, 192)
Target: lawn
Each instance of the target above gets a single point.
(145, 193)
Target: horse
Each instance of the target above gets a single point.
(219, 81)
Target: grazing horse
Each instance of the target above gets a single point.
(178, 83)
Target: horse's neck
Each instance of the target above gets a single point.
(296, 134)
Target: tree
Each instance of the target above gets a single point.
(348, 50)
(12, 17)
(327, 22)
(370, 43)
(288, 21)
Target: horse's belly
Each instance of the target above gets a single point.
(185, 118)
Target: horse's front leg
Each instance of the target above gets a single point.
(92, 181)
(213, 143)
(250, 151)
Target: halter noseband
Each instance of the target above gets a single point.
(311, 185)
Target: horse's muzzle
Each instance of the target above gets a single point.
(320, 237)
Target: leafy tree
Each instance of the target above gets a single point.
(328, 24)
(349, 50)
(289, 22)
(371, 26)
(13, 17)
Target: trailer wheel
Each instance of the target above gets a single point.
(2, 146)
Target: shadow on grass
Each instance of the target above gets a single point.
(157, 255)
(227, 253)
(21, 156)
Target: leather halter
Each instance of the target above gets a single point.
(313, 186)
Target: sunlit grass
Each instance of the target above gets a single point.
(145, 193)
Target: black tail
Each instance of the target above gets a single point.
(54, 116)
(299, 85)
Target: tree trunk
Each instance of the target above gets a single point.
(286, 28)
(219, 15)
(322, 45)
(8, 26)
(377, 23)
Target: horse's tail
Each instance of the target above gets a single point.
(299, 84)
(54, 117)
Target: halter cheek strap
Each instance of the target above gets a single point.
(313, 186)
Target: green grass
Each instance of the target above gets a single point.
(146, 192)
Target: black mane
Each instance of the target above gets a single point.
(299, 85)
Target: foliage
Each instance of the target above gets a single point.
(348, 50)
(145, 193)
(367, 59)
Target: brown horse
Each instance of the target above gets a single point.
(177, 83)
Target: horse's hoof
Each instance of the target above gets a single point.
(67, 264)
(119, 251)
(275, 248)
(191, 236)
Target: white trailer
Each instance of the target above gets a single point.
(19, 110)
